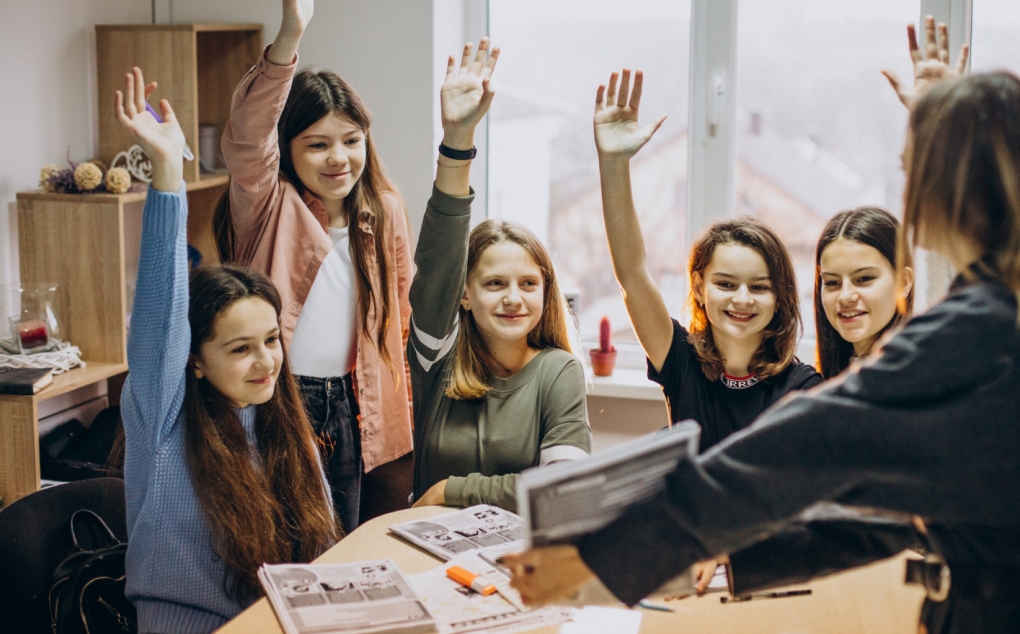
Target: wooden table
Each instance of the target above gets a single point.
(871, 600)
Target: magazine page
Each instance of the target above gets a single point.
(482, 528)
(359, 598)
(459, 610)
(563, 501)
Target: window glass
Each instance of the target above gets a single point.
(543, 170)
(994, 35)
(819, 130)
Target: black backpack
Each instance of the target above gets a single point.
(87, 595)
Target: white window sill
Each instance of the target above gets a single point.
(626, 383)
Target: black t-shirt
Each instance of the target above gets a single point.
(719, 409)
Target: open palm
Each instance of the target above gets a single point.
(159, 140)
(931, 66)
(466, 94)
(617, 132)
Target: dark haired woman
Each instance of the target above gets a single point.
(737, 357)
(926, 428)
(311, 207)
(221, 470)
(857, 298)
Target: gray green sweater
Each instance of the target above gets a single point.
(537, 416)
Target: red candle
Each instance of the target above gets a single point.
(33, 334)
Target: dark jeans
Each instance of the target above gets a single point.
(333, 412)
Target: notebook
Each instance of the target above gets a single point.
(26, 381)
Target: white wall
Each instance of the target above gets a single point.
(48, 102)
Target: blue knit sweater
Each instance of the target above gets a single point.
(174, 577)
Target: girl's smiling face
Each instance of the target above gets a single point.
(505, 294)
(737, 293)
(244, 356)
(858, 290)
(329, 157)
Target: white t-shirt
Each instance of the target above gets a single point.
(325, 338)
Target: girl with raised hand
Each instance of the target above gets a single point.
(496, 386)
(310, 206)
(737, 359)
(221, 469)
(927, 427)
(857, 298)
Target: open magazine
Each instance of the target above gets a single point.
(359, 598)
(483, 528)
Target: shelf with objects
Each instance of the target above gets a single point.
(88, 243)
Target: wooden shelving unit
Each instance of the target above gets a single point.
(197, 67)
(85, 242)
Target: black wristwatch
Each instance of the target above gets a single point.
(457, 155)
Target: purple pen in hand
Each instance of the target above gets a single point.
(188, 156)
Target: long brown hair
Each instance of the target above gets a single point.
(472, 363)
(779, 342)
(314, 95)
(963, 175)
(876, 228)
(273, 512)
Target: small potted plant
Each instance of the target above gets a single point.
(603, 358)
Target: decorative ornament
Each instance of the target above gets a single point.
(88, 176)
(136, 162)
(44, 176)
(603, 358)
(118, 180)
(91, 176)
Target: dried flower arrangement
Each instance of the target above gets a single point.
(86, 178)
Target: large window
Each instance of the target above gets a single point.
(543, 169)
(818, 128)
(803, 126)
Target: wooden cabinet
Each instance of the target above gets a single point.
(197, 67)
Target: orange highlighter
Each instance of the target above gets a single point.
(470, 580)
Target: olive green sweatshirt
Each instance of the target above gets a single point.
(536, 416)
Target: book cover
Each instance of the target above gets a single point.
(24, 381)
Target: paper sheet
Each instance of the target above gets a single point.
(599, 620)
(458, 610)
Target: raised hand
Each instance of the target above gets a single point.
(931, 66)
(467, 94)
(296, 16)
(163, 142)
(617, 134)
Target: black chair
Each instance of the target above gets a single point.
(35, 536)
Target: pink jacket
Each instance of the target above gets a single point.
(285, 236)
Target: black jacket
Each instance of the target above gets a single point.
(930, 427)
(831, 540)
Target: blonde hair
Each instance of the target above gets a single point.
(963, 176)
(472, 363)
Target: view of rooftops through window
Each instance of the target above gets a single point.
(819, 130)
